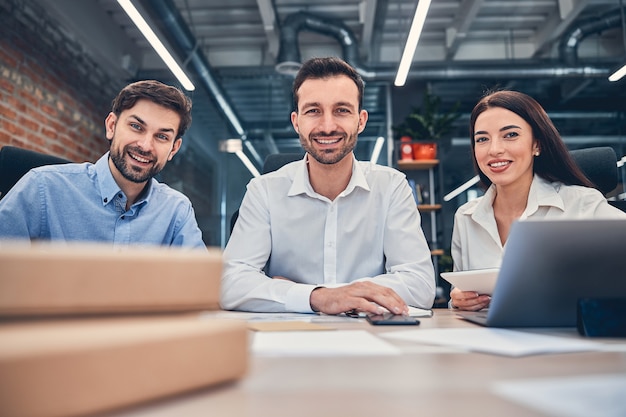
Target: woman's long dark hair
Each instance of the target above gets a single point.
(554, 162)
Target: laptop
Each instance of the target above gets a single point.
(548, 265)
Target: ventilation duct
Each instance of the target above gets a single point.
(568, 47)
(289, 60)
(180, 37)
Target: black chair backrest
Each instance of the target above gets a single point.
(272, 163)
(277, 160)
(599, 164)
(620, 204)
(15, 162)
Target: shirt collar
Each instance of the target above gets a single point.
(483, 211)
(302, 185)
(109, 188)
(541, 193)
(358, 178)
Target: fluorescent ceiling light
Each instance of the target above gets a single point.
(461, 188)
(248, 163)
(378, 146)
(158, 46)
(618, 74)
(235, 146)
(411, 42)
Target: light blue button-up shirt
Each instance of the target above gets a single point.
(82, 202)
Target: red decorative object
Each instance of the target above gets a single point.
(423, 151)
(406, 148)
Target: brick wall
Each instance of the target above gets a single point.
(54, 99)
(47, 101)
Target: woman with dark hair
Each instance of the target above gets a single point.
(527, 172)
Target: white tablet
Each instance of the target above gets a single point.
(483, 281)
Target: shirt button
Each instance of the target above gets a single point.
(106, 200)
(123, 217)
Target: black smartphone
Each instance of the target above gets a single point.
(391, 319)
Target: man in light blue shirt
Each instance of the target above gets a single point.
(116, 199)
(328, 233)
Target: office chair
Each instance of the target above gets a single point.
(272, 163)
(15, 162)
(599, 164)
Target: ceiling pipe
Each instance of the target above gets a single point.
(289, 60)
(179, 35)
(568, 46)
(490, 71)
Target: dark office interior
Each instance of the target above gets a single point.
(68, 58)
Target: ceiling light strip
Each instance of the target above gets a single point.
(156, 43)
(411, 43)
(248, 163)
(472, 181)
(378, 146)
(617, 75)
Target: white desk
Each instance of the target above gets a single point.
(422, 381)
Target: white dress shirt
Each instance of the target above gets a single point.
(371, 231)
(475, 238)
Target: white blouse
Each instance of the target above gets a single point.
(475, 238)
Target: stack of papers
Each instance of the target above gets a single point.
(496, 341)
(320, 343)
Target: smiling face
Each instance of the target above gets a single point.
(328, 119)
(504, 147)
(143, 139)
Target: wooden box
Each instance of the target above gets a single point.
(62, 279)
(77, 367)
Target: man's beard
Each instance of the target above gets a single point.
(329, 156)
(132, 173)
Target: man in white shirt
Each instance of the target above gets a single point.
(328, 233)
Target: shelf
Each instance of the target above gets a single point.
(432, 207)
(417, 164)
(426, 208)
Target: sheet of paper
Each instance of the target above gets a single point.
(413, 312)
(285, 326)
(275, 317)
(496, 341)
(321, 343)
(419, 312)
(583, 396)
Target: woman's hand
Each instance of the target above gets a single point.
(469, 300)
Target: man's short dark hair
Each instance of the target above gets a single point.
(318, 68)
(158, 93)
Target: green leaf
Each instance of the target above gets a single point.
(428, 123)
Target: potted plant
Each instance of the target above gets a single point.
(426, 126)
